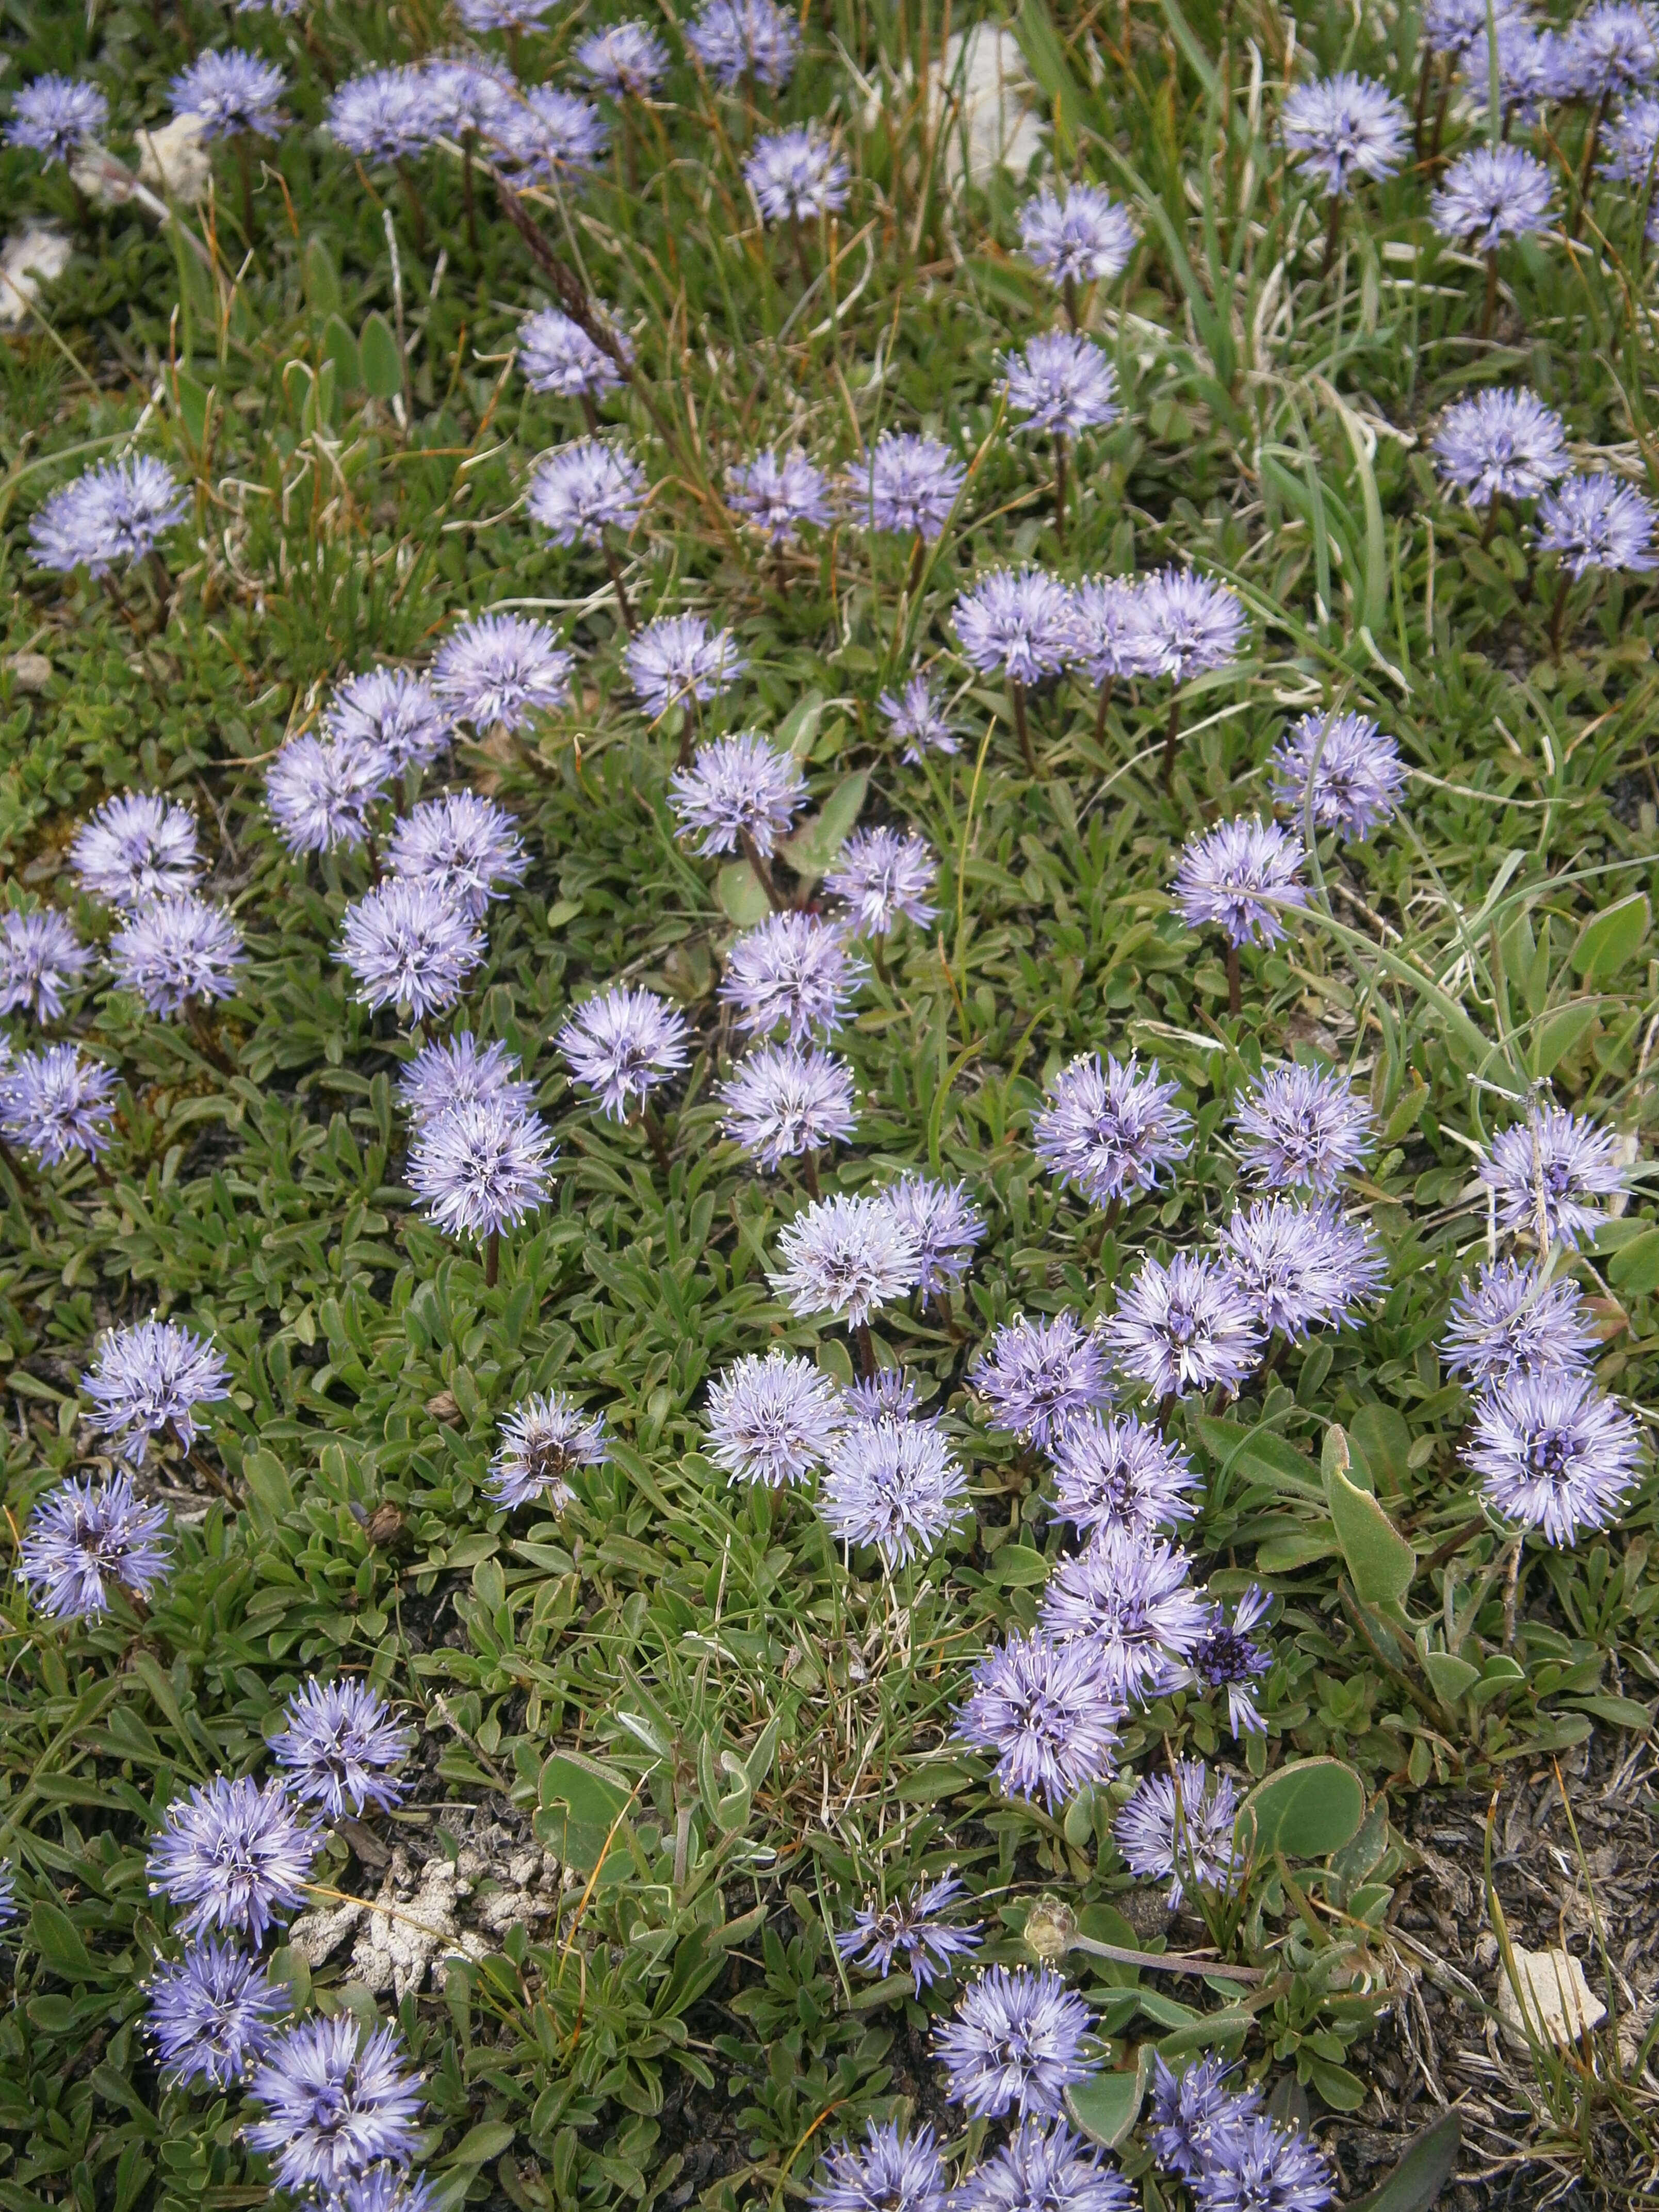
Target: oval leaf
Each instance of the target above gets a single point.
(1106, 2106)
(1420, 2172)
(1611, 938)
(382, 363)
(1306, 1810)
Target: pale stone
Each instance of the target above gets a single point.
(30, 257)
(175, 159)
(1560, 2003)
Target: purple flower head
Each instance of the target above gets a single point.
(1492, 193)
(1453, 27)
(912, 1927)
(557, 355)
(175, 949)
(945, 1225)
(1230, 1659)
(1299, 1264)
(544, 1441)
(1063, 384)
(1354, 769)
(54, 115)
(210, 2014)
(385, 2189)
(384, 114)
(116, 514)
(238, 1856)
(1179, 1827)
(1303, 1125)
(84, 1538)
(1263, 2165)
(623, 1045)
(153, 1376)
(1500, 444)
(1612, 49)
(794, 969)
(481, 1169)
(1017, 620)
(8, 1892)
(339, 2103)
(1545, 1168)
(460, 845)
(1121, 1473)
(1019, 2039)
(895, 1485)
(1108, 1131)
(1108, 639)
(584, 491)
(340, 1745)
(461, 1072)
(1597, 522)
(1190, 622)
(883, 874)
(1630, 143)
(781, 1102)
(627, 61)
(737, 792)
(779, 495)
(469, 92)
(678, 656)
(846, 1257)
(319, 791)
(1238, 876)
(410, 945)
(482, 16)
(738, 38)
(915, 716)
(1046, 1710)
(551, 133)
(1037, 1376)
(772, 1421)
(888, 1395)
(1195, 2115)
(1186, 1327)
(907, 486)
(1509, 1322)
(388, 711)
(502, 668)
(1554, 1455)
(40, 959)
(1074, 241)
(887, 2172)
(230, 92)
(1045, 2169)
(1345, 127)
(795, 174)
(1129, 1596)
(52, 1102)
(1529, 69)
(136, 847)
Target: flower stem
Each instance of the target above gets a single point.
(654, 1136)
(1023, 728)
(1172, 739)
(1559, 614)
(866, 1350)
(763, 873)
(809, 1174)
(1489, 312)
(1234, 982)
(1059, 489)
(615, 567)
(1333, 232)
(1100, 712)
(492, 1258)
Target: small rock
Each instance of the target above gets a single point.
(315, 1936)
(30, 672)
(1560, 2003)
(442, 1405)
(174, 160)
(30, 257)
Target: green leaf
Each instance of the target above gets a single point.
(1617, 1712)
(1558, 1033)
(1306, 1810)
(382, 363)
(1342, 2091)
(322, 284)
(580, 1803)
(1606, 943)
(1106, 2106)
(1634, 1269)
(813, 847)
(58, 1939)
(341, 348)
(1018, 1567)
(737, 888)
(270, 1494)
(1379, 1437)
(924, 1785)
(1380, 1560)
(1231, 2022)
(1261, 1455)
(1450, 1677)
(1282, 1555)
(482, 2144)
(1421, 2171)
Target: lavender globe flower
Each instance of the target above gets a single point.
(384, 114)
(1108, 639)
(1529, 70)
(460, 845)
(1509, 1321)
(884, 875)
(481, 1169)
(542, 1443)
(339, 1746)
(54, 115)
(1631, 144)
(585, 489)
(1186, 1327)
(846, 1257)
(462, 1072)
(1303, 1125)
(627, 60)
(912, 1927)
(1343, 127)
(738, 38)
(1108, 1131)
(739, 792)
(795, 175)
(237, 1856)
(176, 950)
(1299, 1264)
(1121, 1473)
(210, 2014)
(914, 717)
(772, 1421)
(1045, 1710)
(622, 1045)
(470, 92)
(1597, 522)
(551, 133)
(793, 969)
(1343, 769)
(8, 1892)
(86, 1540)
(781, 1102)
(887, 2172)
(53, 1103)
(482, 16)
(502, 668)
(1076, 241)
(1037, 1376)
(410, 946)
(40, 959)
(1017, 620)
(1238, 876)
(557, 355)
(1062, 384)
(339, 2102)
(1492, 193)
(384, 2188)
(1229, 1658)
(894, 1485)
(908, 486)
(1194, 2116)
(1179, 1827)
(1043, 2168)
(678, 658)
(1452, 27)
(230, 92)
(135, 848)
(888, 1395)
(1545, 1169)
(1130, 1597)
(1612, 49)
(319, 790)
(1019, 2039)
(779, 495)
(388, 711)
(1263, 2165)
(945, 1225)
(115, 514)
(1500, 445)
(1553, 1454)
(152, 1376)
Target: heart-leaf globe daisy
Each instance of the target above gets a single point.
(54, 1104)
(230, 92)
(1045, 1712)
(210, 2014)
(1185, 1326)
(85, 1540)
(1077, 240)
(888, 2172)
(1178, 1827)
(678, 658)
(845, 1257)
(884, 875)
(386, 711)
(738, 38)
(151, 1377)
(551, 133)
(1109, 1130)
(1299, 1263)
(1553, 1454)
(339, 1748)
(1195, 2114)
(1596, 522)
(1190, 623)
(1343, 127)
(1262, 2164)
(793, 970)
(480, 1168)
(382, 115)
(1307, 1126)
(384, 2188)
(459, 1071)
(544, 1442)
(557, 355)
(42, 959)
(1015, 622)
(625, 60)
(1509, 1321)
(1230, 1658)
(1239, 877)
(1109, 638)
(945, 1225)
(136, 847)
(772, 1420)
(318, 790)
(54, 116)
(411, 945)
(236, 1855)
(116, 514)
(502, 669)
(337, 2101)
(585, 489)
(781, 1102)
(1062, 384)
(1037, 1376)
(1612, 49)
(780, 495)
(912, 1928)
(622, 1045)
(175, 949)
(893, 1485)
(1500, 445)
(737, 792)
(1120, 1471)
(908, 486)
(1045, 2167)
(1492, 193)
(795, 175)
(1545, 1171)
(1130, 1597)
(461, 845)
(914, 717)
(1342, 770)
(1019, 2039)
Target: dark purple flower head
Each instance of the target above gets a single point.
(794, 174)
(461, 1072)
(1194, 2113)
(236, 1855)
(1037, 1376)
(1263, 2165)
(502, 668)
(340, 1745)
(1108, 639)
(1303, 1125)
(550, 134)
(388, 711)
(1554, 1455)
(1345, 127)
(210, 2014)
(1121, 1473)
(1230, 1659)
(1500, 444)
(1354, 769)
(626, 60)
(1020, 2037)
(153, 1376)
(737, 792)
(1130, 1597)
(115, 515)
(738, 38)
(1510, 1321)
(793, 969)
(915, 716)
(884, 875)
(54, 115)
(481, 1169)
(53, 1103)
(339, 2102)
(912, 1928)
(135, 848)
(1179, 1827)
(1108, 1131)
(319, 790)
(1492, 193)
(945, 1225)
(40, 959)
(85, 1538)
(1186, 1327)
(1018, 621)
(1612, 49)
(678, 656)
(1063, 384)
(544, 1441)
(410, 945)
(1545, 1169)
(780, 494)
(384, 114)
(887, 2172)
(1299, 1264)
(1239, 876)
(622, 1045)
(230, 92)
(846, 1257)
(460, 845)
(1086, 236)
(1597, 522)
(895, 1485)
(174, 950)
(781, 1101)
(772, 1421)
(1042, 2168)
(1190, 622)
(585, 489)
(1046, 1711)
(907, 486)
(557, 355)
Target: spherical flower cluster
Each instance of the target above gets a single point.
(1343, 127)
(585, 489)
(772, 1421)
(779, 495)
(135, 848)
(1019, 2039)
(1597, 522)
(912, 1927)
(1186, 1327)
(1121, 1473)
(888, 2172)
(1612, 48)
(883, 876)
(386, 711)
(738, 792)
(677, 658)
(85, 1540)
(1303, 1125)
(1109, 637)
(557, 355)
(1504, 445)
(54, 115)
(53, 1103)
(319, 791)
(174, 950)
(627, 60)
(1300, 1265)
(1238, 876)
(1038, 1376)
(895, 1485)
(738, 38)
(338, 2101)
(410, 946)
(1553, 1454)
(908, 485)
(543, 1442)
(1230, 1659)
(622, 1045)
(552, 133)
(384, 114)
(1179, 1827)
(846, 1257)
(1045, 2166)
(115, 515)
(1492, 193)
(1016, 621)
(210, 2014)
(235, 1853)
(230, 92)
(794, 175)
(913, 716)
(339, 1747)
(1108, 1131)
(40, 959)
(795, 970)
(781, 1102)
(1062, 384)
(480, 1168)
(1189, 624)
(150, 1378)
(1076, 241)
(502, 668)
(1129, 1596)
(944, 1223)
(1342, 769)
(458, 1072)
(1044, 1709)
(460, 845)
(1509, 1321)
(1545, 1169)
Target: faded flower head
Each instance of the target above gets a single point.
(1063, 384)
(1017, 620)
(884, 875)
(1545, 1171)
(53, 1103)
(895, 1485)
(1121, 1473)
(738, 38)
(1077, 240)
(1018, 2041)
(912, 1928)
(1046, 1711)
(914, 717)
(210, 2014)
(40, 959)
(737, 792)
(1554, 1454)
(772, 1421)
(410, 945)
(174, 950)
(779, 494)
(544, 1440)
(54, 116)
(1492, 193)
(1129, 1596)
(115, 514)
(481, 1169)
(460, 845)
(1348, 768)
(794, 969)
(1303, 1125)
(1509, 1322)
(1229, 1658)
(502, 668)
(1108, 1131)
(1597, 522)
(1190, 623)
(340, 1745)
(1108, 639)
(678, 656)
(627, 60)
(236, 1855)
(557, 355)
(461, 1072)
(1345, 127)
(1179, 1827)
(585, 489)
(1045, 2168)
(85, 1538)
(1238, 876)
(1500, 445)
(794, 174)
(339, 2102)
(623, 1045)
(908, 485)
(136, 847)
(846, 1257)
(781, 1101)
(230, 92)
(153, 1376)
(1037, 1376)
(945, 1225)
(888, 2172)
(1186, 1327)
(319, 790)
